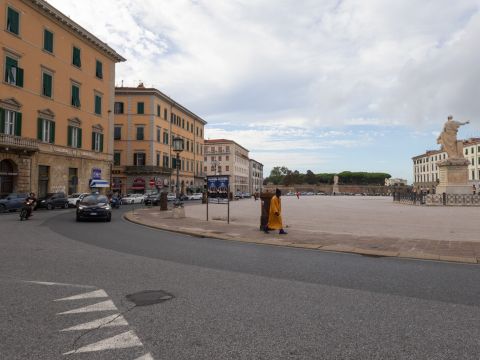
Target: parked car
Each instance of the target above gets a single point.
(53, 200)
(74, 199)
(12, 202)
(171, 196)
(152, 199)
(195, 196)
(133, 199)
(94, 207)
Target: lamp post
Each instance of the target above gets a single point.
(178, 148)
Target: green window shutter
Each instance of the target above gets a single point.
(19, 77)
(2, 121)
(10, 69)
(18, 124)
(79, 144)
(93, 140)
(101, 142)
(140, 108)
(98, 105)
(13, 21)
(48, 41)
(99, 70)
(47, 85)
(75, 96)
(76, 57)
(39, 128)
(69, 136)
(52, 132)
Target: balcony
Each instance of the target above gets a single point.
(16, 143)
(147, 169)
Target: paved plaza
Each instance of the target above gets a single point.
(367, 225)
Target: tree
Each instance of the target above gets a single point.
(310, 178)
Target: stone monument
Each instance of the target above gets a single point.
(336, 189)
(453, 171)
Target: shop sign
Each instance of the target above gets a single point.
(96, 174)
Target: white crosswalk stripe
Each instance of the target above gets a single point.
(101, 306)
(89, 295)
(109, 321)
(123, 341)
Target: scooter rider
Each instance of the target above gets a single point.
(30, 203)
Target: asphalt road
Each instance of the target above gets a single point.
(231, 300)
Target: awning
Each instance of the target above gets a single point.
(138, 187)
(99, 184)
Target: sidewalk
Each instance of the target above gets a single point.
(444, 250)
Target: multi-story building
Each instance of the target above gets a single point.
(425, 169)
(226, 157)
(396, 182)
(146, 122)
(255, 178)
(56, 94)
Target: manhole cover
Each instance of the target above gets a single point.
(149, 297)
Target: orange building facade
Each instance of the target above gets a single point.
(146, 121)
(56, 102)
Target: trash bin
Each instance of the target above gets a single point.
(265, 199)
(163, 201)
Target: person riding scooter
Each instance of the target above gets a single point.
(29, 205)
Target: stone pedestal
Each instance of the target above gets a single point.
(453, 176)
(336, 189)
(178, 212)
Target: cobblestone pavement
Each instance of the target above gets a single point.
(366, 225)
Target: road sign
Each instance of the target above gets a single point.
(152, 183)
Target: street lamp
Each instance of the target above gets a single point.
(178, 148)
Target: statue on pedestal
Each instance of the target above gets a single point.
(448, 139)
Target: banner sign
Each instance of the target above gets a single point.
(218, 187)
(96, 174)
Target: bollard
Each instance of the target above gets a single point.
(163, 201)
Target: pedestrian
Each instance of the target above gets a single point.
(298, 194)
(275, 214)
(474, 189)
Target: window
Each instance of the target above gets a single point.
(46, 130)
(140, 108)
(98, 105)
(140, 132)
(227, 168)
(74, 137)
(72, 180)
(117, 133)
(219, 158)
(159, 134)
(97, 141)
(165, 161)
(76, 59)
(116, 158)
(139, 159)
(75, 95)
(165, 137)
(13, 74)
(10, 122)
(227, 158)
(158, 110)
(13, 21)
(47, 84)
(158, 159)
(118, 107)
(183, 123)
(99, 69)
(205, 169)
(48, 41)
(165, 114)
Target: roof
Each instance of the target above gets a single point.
(49, 11)
(258, 162)
(224, 141)
(428, 153)
(141, 90)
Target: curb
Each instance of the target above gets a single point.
(337, 248)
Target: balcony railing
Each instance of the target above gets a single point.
(18, 142)
(147, 169)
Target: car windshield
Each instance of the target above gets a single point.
(73, 196)
(94, 199)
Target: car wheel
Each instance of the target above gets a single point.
(49, 207)
(66, 206)
(2, 208)
(109, 218)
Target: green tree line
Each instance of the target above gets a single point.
(281, 175)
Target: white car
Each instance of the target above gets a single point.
(195, 196)
(171, 196)
(133, 199)
(74, 199)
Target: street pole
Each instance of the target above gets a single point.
(178, 170)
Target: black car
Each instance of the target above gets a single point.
(53, 200)
(94, 207)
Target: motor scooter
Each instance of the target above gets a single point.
(115, 203)
(27, 209)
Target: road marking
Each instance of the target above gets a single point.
(89, 295)
(101, 306)
(145, 357)
(109, 321)
(60, 284)
(126, 340)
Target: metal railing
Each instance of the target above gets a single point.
(409, 197)
(18, 142)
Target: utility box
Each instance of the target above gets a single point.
(265, 199)
(163, 201)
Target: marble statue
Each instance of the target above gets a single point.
(335, 180)
(448, 139)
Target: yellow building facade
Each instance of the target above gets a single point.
(146, 122)
(56, 102)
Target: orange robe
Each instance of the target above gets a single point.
(275, 221)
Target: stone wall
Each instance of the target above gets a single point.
(23, 163)
(328, 189)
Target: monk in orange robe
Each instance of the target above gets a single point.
(275, 214)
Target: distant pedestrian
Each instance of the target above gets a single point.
(275, 214)
(298, 194)
(474, 189)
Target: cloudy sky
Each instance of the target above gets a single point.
(359, 85)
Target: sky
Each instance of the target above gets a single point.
(321, 85)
